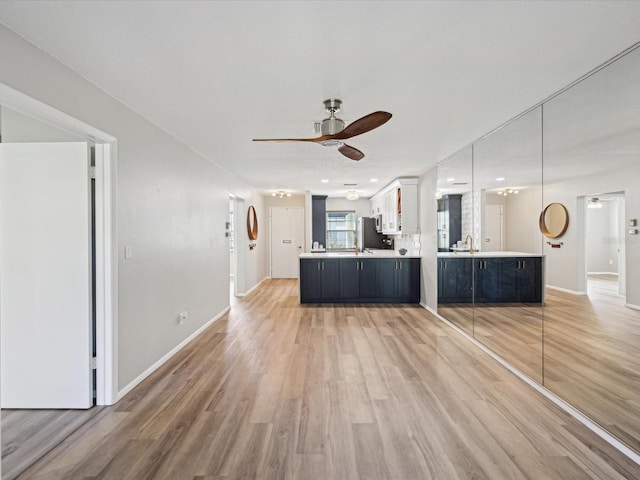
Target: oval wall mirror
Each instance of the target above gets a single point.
(554, 220)
(252, 223)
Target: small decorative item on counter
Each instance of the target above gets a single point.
(402, 251)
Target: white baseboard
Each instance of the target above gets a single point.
(578, 415)
(252, 288)
(166, 357)
(565, 290)
(603, 273)
(632, 306)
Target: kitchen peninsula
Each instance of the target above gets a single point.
(383, 276)
(490, 277)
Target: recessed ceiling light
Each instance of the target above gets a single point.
(374, 180)
(324, 180)
(499, 179)
(451, 179)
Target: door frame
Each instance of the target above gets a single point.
(106, 236)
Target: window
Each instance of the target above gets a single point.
(341, 230)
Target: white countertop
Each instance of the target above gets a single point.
(370, 254)
(485, 254)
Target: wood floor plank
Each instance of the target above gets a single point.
(278, 390)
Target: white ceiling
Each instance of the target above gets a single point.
(217, 74)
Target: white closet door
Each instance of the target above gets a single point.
(287, 237)
(45, 275)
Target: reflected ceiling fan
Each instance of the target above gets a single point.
(334, 131)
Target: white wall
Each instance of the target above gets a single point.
(427, 220)
(521, 221)
(172, 209)
(362, 206)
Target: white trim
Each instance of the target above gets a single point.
(632, 306)
(136, 381)
(602, 273)
(565, 290)
(252, 288)
(559, 402)
(106, 275)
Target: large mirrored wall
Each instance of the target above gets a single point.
(563, 308)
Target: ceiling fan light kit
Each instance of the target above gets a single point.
(334, 130)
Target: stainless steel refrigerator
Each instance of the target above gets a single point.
(368, 237)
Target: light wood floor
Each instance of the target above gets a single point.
(592, 356)
(281, 390)
(27, 435)
(591, 349)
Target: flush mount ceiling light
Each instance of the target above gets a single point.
(281, 194)
(352, 195)
(508, 191)
(594, 203)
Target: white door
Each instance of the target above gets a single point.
(45, 275)
(493, 231)
(287, 237)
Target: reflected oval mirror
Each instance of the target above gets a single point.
(252, 223)
(554, 220)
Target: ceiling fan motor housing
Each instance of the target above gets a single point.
(332, 125)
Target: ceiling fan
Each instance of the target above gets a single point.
(334, 131)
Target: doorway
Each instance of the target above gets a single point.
(286, 226)
(493, 229)
(605, 252)
(27, 433)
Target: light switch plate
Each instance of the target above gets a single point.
(633, 222)
(632, 231)
(128, 252)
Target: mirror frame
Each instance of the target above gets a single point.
(543, 226)
(252, 223)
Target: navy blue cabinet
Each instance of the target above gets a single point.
(319, 279)
(508, 279)
(455, 280)
(529, 279)
(399, 279)
(490, 279)
(360, 280)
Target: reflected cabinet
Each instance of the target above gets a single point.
(549, 279)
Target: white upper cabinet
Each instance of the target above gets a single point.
(398, 205)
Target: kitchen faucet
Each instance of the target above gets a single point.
(469, 241)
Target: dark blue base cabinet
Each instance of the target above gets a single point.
(356, 280)
(495, 280)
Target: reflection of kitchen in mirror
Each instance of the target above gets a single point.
(548, 222)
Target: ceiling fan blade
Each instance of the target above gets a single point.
(350, 152)
(362, 125)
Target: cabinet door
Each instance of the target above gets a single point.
(330, 273)
(455, 280)
(310, 282)
(349, 273)
(487, 280)
(529, 279)
(387, 278)
(408, 280)
(509, 289)
(368, 279)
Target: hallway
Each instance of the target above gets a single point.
(276, 389)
